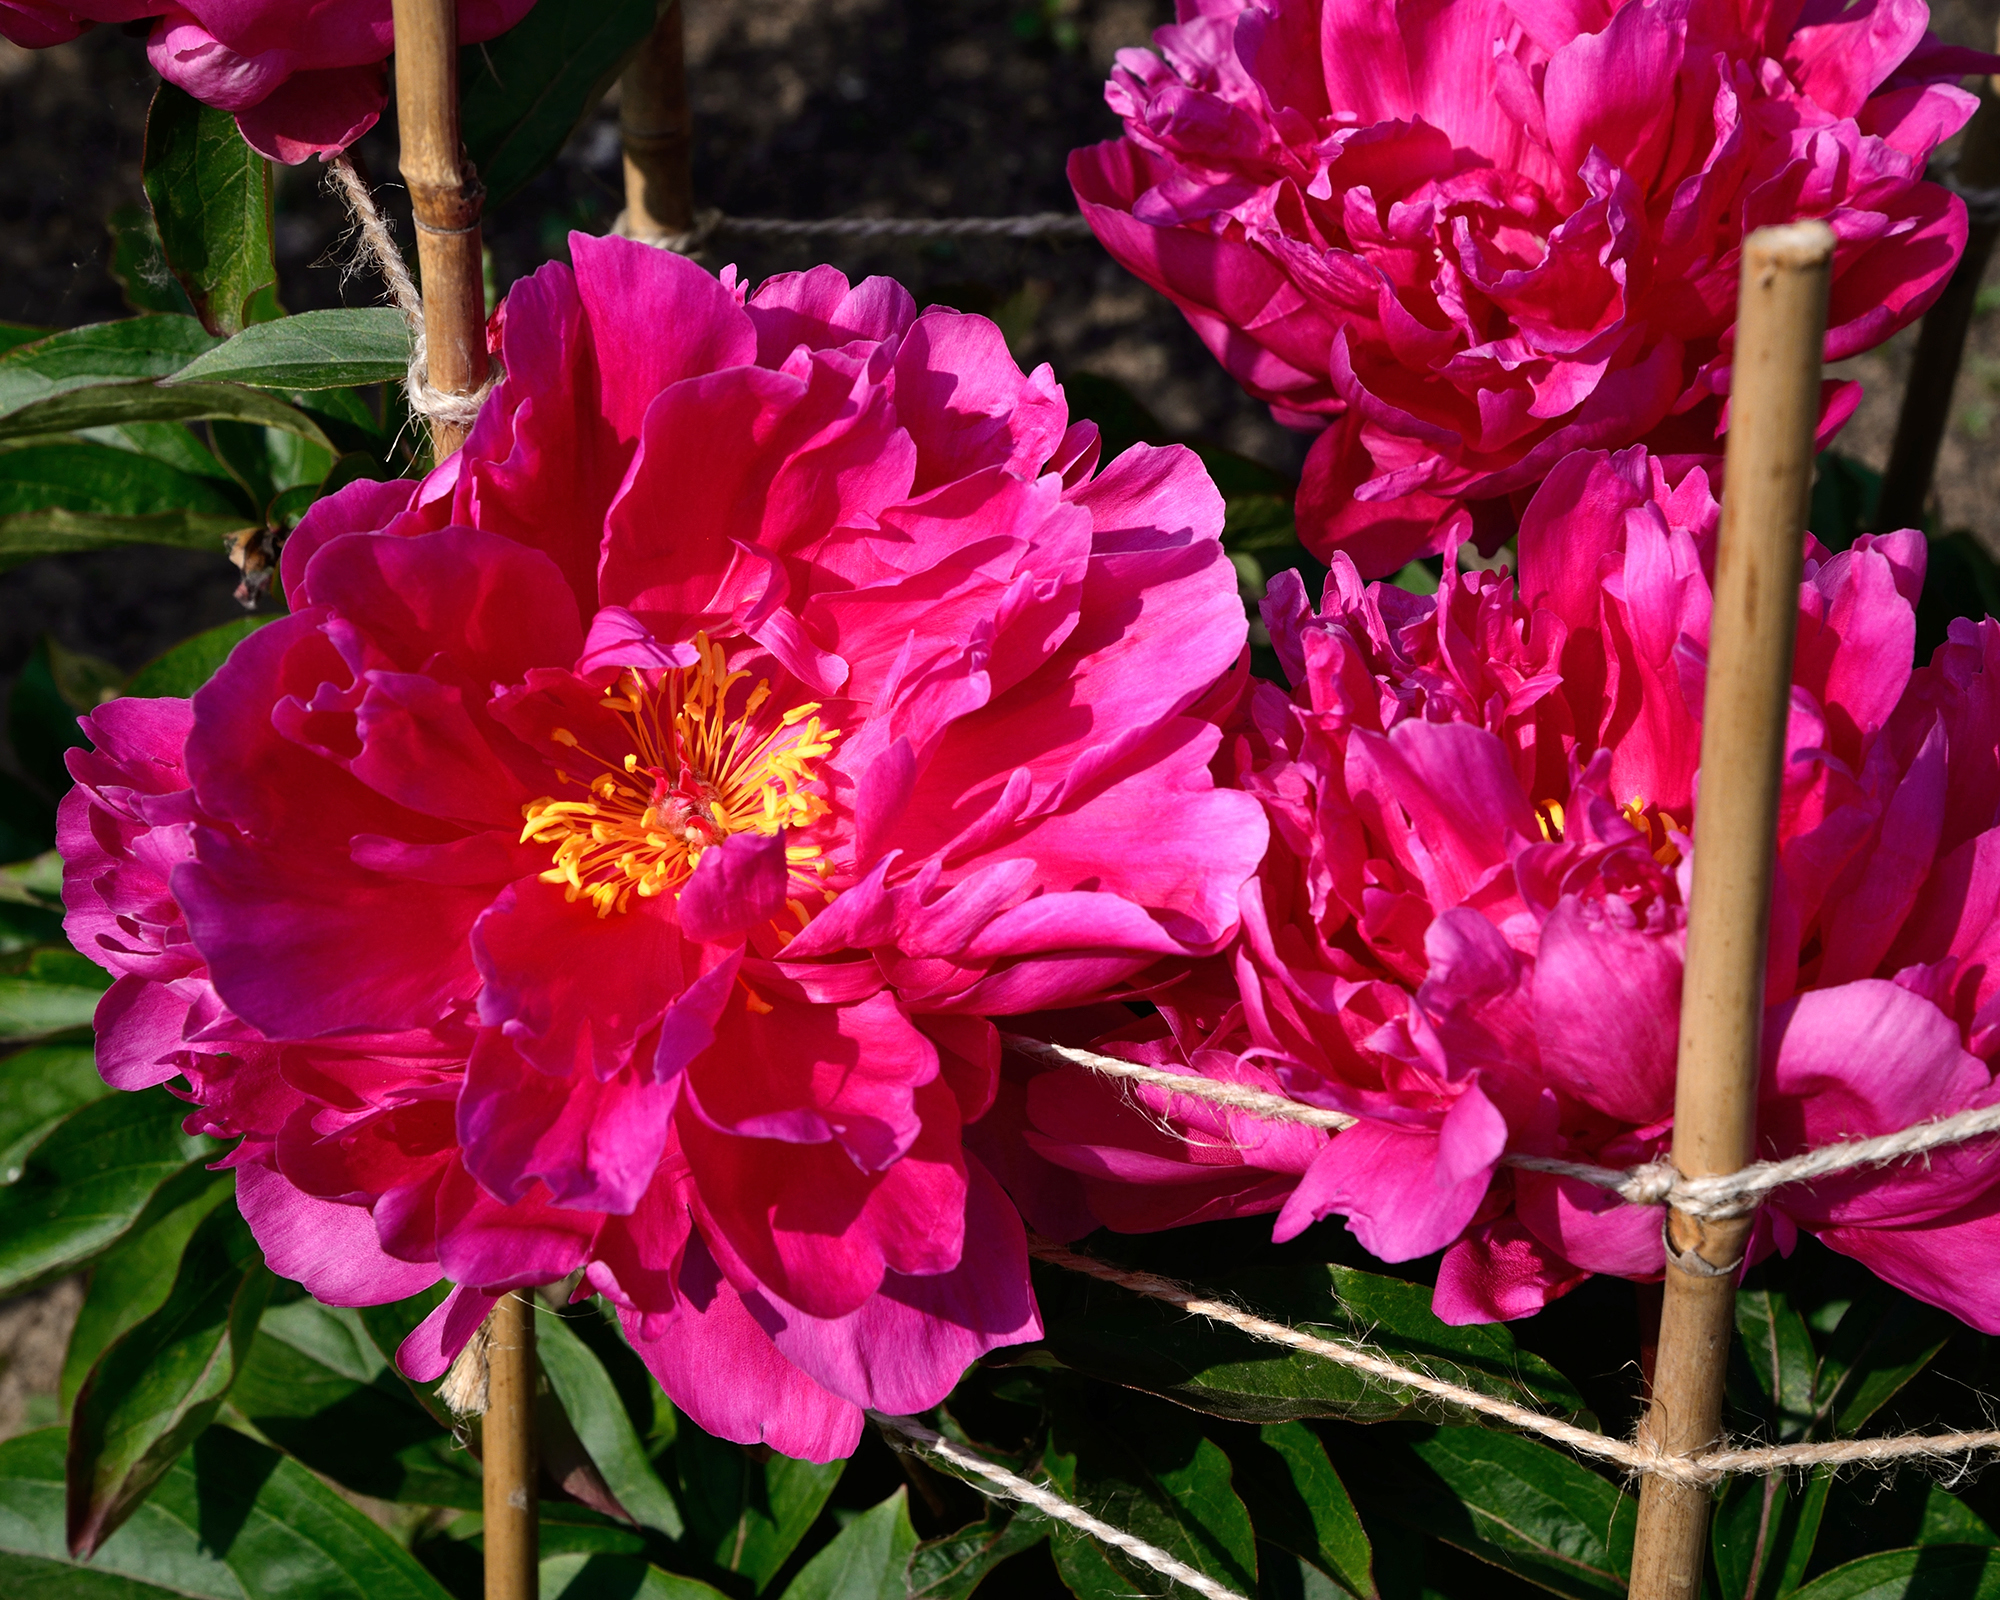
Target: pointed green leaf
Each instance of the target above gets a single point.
(1298, 1502)
(104, 405)
(868, 1559)
(746, 1514)
(140, 265)
(1506, 1499)
(591, 1401)
(102, 352)
(1146, 1467)
(211, 198)
(132, 1279)
(1125, 1338)
(313, 350)
(231, 1521)
(1931, 1572)
(29, 534)
(90, 1181)
(523, 94)
(952, 1567)
(317, 1386)
(38, 1088)
(160, 1383)
(49, 991)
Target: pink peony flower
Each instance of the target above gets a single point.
(1472, 924)
(610, 864)
(303, 77)
(1468, 239)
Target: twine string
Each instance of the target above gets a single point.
(1045, 1500)
(1734, 1194)
(1641, 1456)
(434, 405)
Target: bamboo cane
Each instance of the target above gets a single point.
(446, 196)
(1774, 405)
(658, 133)
(1926, 412)
(510, 1461)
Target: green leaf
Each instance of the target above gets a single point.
(38, 1088)
(132, 1279)
(41, 720)
(29, 534)
(1145, 1467)
(14, 334)
(110, 404)
(51, 996)
(1298, 1502)
(523, 94)
(231, 1521)
(313, 350)
(103, 352)
(1128, 1339)
(1762, 1533)
(160, 1383)
(867, 1560)
(1777, 1350)
(211, 198)
(79, 476)
(591, 1401)
(89, 1182)
(1509, 1500)
(27, 829)
(586, 1575)
(1931, 1572)
(171, 442)
(952, 1567)
(319, 1387)
(140, 265)
(192, 662)
(745, 1514)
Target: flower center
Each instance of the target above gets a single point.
(1549, 816)
(703, 762)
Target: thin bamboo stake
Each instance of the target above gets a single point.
(446, 195)
(509, 1459)
(1774, 405)
(658, 132)
(1926, 412)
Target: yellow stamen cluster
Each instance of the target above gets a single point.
(1549, 816)
(704, 762)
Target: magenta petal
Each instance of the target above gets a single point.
(1607, 1011)
(139, 1027)
(1386, 1183)
(573, 990)
(736, 885)
(719, 1365)
(436, 1341)
(594, 1143)
(332, 1249)
(905, 1348)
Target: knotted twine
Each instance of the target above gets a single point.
(434, 405)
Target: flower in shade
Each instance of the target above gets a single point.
(303, 77)
(1472, 923)
(1465, 239)
(611, 863)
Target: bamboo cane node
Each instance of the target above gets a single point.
(448, 207)
(1694, 1263)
